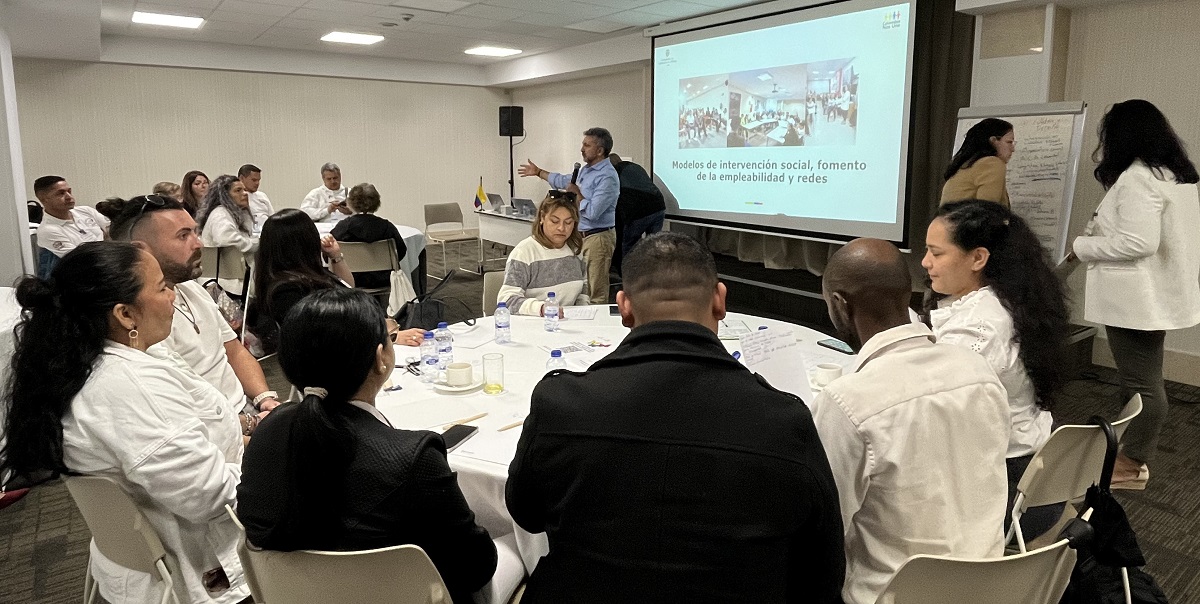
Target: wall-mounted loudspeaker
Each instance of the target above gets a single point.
(512, 121)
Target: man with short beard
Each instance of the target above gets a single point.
(199, 334)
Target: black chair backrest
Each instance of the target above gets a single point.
(35, 211)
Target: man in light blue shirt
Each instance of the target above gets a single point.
(596, 190)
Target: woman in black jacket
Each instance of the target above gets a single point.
(330, 473)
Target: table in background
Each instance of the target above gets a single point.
(482, 461)
(503, 228)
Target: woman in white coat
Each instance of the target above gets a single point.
(87, 398)
(224, 220)
(1143, 263)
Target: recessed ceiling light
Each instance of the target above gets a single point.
(349, 38)
(168, 20)
(764, 76)
(492, 51)
(1036, 49)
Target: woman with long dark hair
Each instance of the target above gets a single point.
(1002, 300)
(980, 168)
(86, 396)
(193, 190)
(224, 219)
(1143, 263)
(330, 473)
(290, 264)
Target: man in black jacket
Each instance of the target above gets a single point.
(641, 207)
(670, 473)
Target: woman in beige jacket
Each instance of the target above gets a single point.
(979, 169)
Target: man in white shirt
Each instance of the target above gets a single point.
(199, 333)
(916, 433)
(327, 203)
(260, 206)
(64, 226)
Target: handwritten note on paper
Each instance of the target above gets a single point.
(1040, 174)
(775, 355)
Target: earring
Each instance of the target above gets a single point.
(133, 337)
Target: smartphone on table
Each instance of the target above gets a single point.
(456, 435)
(836, 344)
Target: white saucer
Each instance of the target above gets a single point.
(448, 388)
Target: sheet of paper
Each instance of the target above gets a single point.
(730, 329)
(580, 313)
(473, 336)
(775, 355)
(491, 445)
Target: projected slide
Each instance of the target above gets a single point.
(770, 107)
(794, 122)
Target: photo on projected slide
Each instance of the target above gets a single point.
(810, 104)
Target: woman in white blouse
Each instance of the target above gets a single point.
(1002, 300)
(224, 219)
(1143, 264)
(547, 261)
(115, 409)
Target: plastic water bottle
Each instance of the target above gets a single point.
(556, 361)
(551, 312)
(429, 358)
(503, 331)
(445, 346)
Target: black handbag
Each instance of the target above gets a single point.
(425, 311)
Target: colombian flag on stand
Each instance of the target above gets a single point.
(480, 196)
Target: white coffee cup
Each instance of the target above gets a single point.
(459, 374)
(826, 372)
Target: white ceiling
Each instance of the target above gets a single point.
(439, 30)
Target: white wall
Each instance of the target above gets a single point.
(118, 129)
(1143, 49)
(557, 114)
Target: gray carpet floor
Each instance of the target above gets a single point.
(43, 539)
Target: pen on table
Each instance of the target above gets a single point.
(510, 426)
(464, 420)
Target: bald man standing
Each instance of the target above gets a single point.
(916, 433)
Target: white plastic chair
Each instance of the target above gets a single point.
(1037, 577)
(449, 215)
(122, 533)
(1063, 469)
(491, 291)
(401, 574)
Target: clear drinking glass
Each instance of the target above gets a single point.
(493, 373)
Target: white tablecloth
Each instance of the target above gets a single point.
(482, 461)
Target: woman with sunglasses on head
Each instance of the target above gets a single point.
(117, 408)
(1143, 260)
(330, 472)
(547, 261)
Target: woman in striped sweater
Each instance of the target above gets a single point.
(548, 261)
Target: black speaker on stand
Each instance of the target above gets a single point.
(512, 123)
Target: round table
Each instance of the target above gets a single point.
(482, 461)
